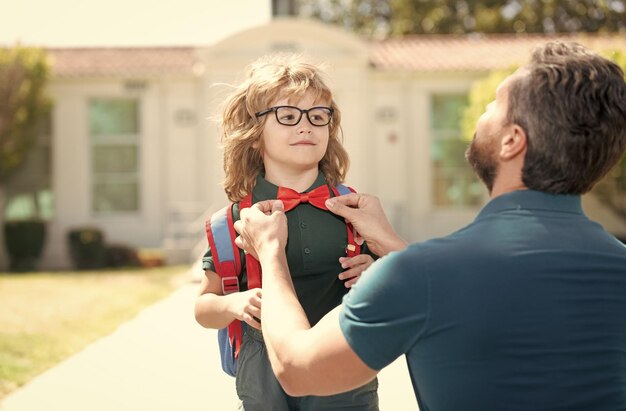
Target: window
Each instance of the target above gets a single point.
(114, 129)
(454, 182)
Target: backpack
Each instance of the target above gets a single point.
(226, 255)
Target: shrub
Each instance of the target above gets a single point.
(119, 255)
(151, 258)
(24, 242)
(87, 248)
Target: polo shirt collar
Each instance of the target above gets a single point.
(264, 190)
(532, 200)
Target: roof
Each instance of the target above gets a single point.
(410, 53)
(128, 61)
(472, 52)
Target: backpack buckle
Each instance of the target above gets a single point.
(230, 285)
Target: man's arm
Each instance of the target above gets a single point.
(306, 361)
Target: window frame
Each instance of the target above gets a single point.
(450, 134)
(111, 140)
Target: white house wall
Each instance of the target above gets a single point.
(352, 91)
(388, 113)
(400, 107)
(181, 154)
(385, 121)
(168, 162)
(437, 221)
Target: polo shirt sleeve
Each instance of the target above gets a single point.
(207, 260)
(386, 311)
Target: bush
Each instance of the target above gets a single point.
(151, 258)
(87, 248)
(24, 242)
(119, 255)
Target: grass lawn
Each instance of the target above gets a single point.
(45, 317)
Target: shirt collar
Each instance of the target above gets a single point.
(264, 190)
(532, 200)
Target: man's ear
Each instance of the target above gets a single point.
(513, 143)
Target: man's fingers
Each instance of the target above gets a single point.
(264, 206)
(277, 205)
(343, 205)
(351, 199)
(262, 219)
(357, 238)
(255, 312)
(241, 243)
(267, 206)
(256, 301)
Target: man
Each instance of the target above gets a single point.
(521, 310)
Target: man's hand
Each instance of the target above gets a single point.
(262, 227)
(369, 220)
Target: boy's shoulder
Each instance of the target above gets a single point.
(344, 189)
(235, 211)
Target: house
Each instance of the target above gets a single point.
(133, 145)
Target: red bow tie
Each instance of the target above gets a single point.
(291, 198)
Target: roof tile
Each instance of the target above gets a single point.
(471, 52)
(410, 53)
(109, 61)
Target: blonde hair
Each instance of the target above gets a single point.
(269, 79)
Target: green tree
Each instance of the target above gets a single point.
(378, 18)
(369, 18)
(611, 190)
(24, 73)
(482, 93)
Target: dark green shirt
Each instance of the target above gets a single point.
(317, 238)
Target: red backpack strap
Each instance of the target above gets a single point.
(352, 248)
(221, 235)
(253, 267)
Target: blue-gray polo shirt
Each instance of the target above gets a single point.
(524, 309)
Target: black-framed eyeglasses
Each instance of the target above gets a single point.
(290, 115)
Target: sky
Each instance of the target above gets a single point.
(80, 23)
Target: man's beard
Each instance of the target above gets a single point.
(483, 161)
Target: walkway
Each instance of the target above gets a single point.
(161, 360)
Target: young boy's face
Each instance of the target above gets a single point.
(299, 147)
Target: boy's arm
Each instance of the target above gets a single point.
(215, 310)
